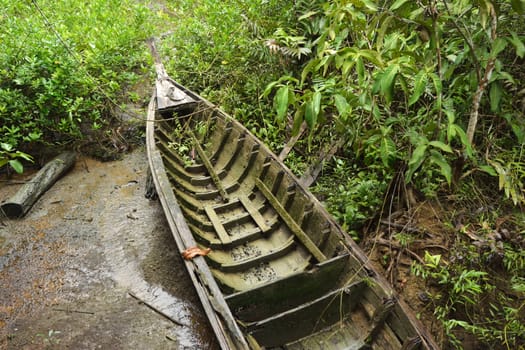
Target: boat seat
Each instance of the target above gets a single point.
(307, 318)
(276, 296)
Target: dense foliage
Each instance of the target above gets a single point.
(63, 64)
(429, 97)
(420, 86)
(219, 50)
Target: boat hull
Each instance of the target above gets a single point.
(280, 273)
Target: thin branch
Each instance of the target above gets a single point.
(473, 120)
(290, 144)
(75, 311)
(467, 40)
(158, 310)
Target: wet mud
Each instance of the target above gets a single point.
(73, 272)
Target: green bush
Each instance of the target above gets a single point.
(62, 64)
(433, 86)
(218, 49)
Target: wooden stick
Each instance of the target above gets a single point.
(75, 311)
(158, 311)
(315, 169)
(289, 145)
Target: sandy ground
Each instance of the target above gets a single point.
(68, 270)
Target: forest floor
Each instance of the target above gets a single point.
(70, 267)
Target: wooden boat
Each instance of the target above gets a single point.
(280, 272)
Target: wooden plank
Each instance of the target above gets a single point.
(290, 222)
(216, 222)
(278, 296)
(311, 174)
(207, 163)
(309, 318)
(170, 97)
(255, 214)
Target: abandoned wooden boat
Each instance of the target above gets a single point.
(280, 272)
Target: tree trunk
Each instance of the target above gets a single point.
(18, 205)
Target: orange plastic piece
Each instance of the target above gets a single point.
(192, 252)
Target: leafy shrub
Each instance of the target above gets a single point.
(218, 49)
(411, 79)
(352, 200)
(61, 64)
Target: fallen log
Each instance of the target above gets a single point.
(18, 205)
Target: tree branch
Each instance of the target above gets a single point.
(474, 115)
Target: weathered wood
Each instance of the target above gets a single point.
(311, 174)
(209, 166)
(291, 143)
(326, 311)
(254, 213)
(168, 96)
(18, 205)
(220, 317)
(219, 227)
(292, 225)
(277, 296)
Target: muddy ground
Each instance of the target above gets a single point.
(70, 268)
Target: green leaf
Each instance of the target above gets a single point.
(489, 170)
(432, 260)
(418, 156)
(445, 168)
(398, 4)
(342, 105)
(316, 100)
(518, 44)
(347, 65)
(442, 146)
(518, 6)
(269, 88)
(309, 68)
(6, 146)
(498, 45)
(298, 121)
(23, 155)
(483, 13)
(281, 103)
(387, 80)
(308, 15)
(495, 94)
(382, 31)
(309, 115)
(16, 165)
(370, 5)
(387, 149)
(420, 82)
(371, 55)
(464, 139)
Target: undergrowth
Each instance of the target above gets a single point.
(218, 50)
(476, 290)
(64, 65)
